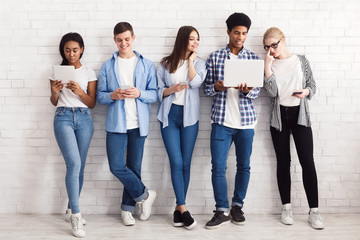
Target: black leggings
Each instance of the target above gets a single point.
(304, 146)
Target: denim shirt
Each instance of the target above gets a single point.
(109, 80)
(192, 98)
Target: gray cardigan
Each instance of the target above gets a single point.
(308, 82)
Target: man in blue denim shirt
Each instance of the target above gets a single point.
(233, 120)
(127, 84)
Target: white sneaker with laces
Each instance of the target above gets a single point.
(315, 219)
(77, 228)
(127, 218)
(146, 205)
(286, 215)
(68, 215)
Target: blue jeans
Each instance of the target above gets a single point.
(179, 142)
(127, 170)
(73, 128)
(220, 142)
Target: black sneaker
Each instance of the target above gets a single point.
(218, 220)
(189, 221)
(237, 215)
(178, 221)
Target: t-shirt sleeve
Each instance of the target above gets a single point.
(51, 74)
(91, 75)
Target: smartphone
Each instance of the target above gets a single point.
(183, 83)
(124, 87)
(294, 93)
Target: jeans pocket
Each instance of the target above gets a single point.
(217, 131)
(85, 112)
(59, 112)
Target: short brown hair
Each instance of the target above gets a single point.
(123, 27)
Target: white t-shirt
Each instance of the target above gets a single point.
(288, 80)
(180, 75)
(232, 107)
(67, 98)
(126, 68)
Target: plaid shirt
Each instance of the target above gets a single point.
(215, 68)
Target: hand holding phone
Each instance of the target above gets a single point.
(183, 83)
(294, 93)
(124, 87)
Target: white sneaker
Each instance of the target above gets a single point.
(146, 205)
(77, 228)
(315, 220)
(127, 218)
(137, 210)
(286, 215)
(68, 215)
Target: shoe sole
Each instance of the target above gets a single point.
(238, 223)
(129, 224)
(191, 226)
(217, 226)
(288, 224)
(316, 228)
(181, 224)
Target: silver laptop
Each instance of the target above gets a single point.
(239, 71)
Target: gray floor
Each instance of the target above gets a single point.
(344, 227)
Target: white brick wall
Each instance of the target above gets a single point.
(32, 169)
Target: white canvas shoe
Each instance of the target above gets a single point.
(68, 215)
(127, 218)
(146, 205)
(315, 219)
(77, 228)
(286, 215)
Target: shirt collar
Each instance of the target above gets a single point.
(228, 51)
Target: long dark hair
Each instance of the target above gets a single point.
(171, 62)
(71, 36)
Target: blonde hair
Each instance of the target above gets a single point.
(273, 32)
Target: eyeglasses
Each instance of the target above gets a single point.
(273, 46)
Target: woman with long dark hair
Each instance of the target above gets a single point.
(179, 77)
(73, 126)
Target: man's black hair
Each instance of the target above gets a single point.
(238, 19)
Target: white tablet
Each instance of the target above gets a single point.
(239, 71)
(65, 73)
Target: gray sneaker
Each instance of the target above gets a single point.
(77, 227)
(68, 215)
(286, 215)
(146, 205)
(315, 220)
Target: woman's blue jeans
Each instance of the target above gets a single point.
(73, 128)
(179, 142)
(127, 169)
(221, 139)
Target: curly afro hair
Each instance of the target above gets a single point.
(238, 19)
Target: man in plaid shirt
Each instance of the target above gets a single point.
(233, 120)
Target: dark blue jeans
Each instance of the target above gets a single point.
(221, 139)
(127, 169)
(179, 142)
(73, 128)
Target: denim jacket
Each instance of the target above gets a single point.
(109, 81)
(192, 99)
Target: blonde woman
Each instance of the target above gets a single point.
(290, 84)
